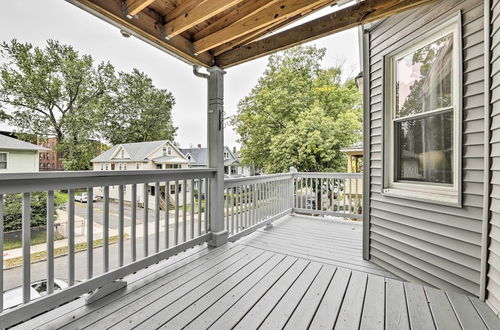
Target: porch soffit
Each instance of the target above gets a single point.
(229, 32)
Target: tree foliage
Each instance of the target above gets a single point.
(13, 210)
(56, 91)
(299, 114)
(139, 112)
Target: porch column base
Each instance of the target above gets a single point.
(218, 239)
(105, 290)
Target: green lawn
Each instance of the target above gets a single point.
(188, 207)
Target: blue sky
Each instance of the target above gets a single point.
(36, 21)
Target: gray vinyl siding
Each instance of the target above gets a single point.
(424, 242)
(493, 274)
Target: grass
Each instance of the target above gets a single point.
(188, 207)
(37, 238)
(61, 251)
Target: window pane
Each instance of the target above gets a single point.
(424, 149)
(424, 78)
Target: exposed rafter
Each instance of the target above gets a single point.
(247, 8)
(355, 15)
(262, 32)
(136, 6)
(277, 11)
(147, 26)
(195, 12)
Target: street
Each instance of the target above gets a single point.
(13, 276)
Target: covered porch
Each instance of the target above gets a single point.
(284, 250)
(304, 272)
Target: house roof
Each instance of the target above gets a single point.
(358, 146)
(199, 156)
(230, 161)
(170, 159)
(229, 32)
(15, 144)
(138, 151)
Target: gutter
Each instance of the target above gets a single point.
(483, 280)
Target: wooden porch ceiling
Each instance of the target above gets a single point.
(230, 32)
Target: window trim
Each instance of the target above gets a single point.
(424, 191)
(7, 155)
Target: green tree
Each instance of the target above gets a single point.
(13, 210)
(296, 107)
(138, 111)
(55, 91)
(312, 142)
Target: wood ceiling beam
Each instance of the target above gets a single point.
(247, 38)
(361, 13)
(260, 33)
(134, 7)
(249, 7)
(277, 11)
(195, 12)
(148, 27)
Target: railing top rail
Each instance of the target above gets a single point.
(234, 182)
(11, 183)
(328, 175)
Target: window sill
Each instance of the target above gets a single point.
(435, 197)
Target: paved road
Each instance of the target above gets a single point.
(13, 276)
(81, 211)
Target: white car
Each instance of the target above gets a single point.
(14, 297)
(83, 198)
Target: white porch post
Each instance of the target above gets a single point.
(216, 154)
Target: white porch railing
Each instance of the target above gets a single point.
(178, 222)
(174, 231)
(255, 201)
(334, 194)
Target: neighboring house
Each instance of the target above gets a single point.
(432, 134)
(354, 165)
(50, 160)
(245, 170)
(17, 156)
(354, 157)
(198, 158)
(142, 156)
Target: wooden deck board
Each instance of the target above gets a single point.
(303, 273)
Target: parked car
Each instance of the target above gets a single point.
(311, 203)
(14, 297)
(83, 198)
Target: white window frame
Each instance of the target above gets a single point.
(425, 191)
(6, 161)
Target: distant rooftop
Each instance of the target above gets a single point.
(9, 143)
(358, 146)
(138, 151)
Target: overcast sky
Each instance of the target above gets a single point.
(35, 21)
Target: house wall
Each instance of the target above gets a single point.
(132, 166)
(19, 161)
(493, 271)
(424, 242)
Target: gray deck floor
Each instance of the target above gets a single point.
(303, 273)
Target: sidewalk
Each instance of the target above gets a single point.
(98, 234)
(98, 229)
